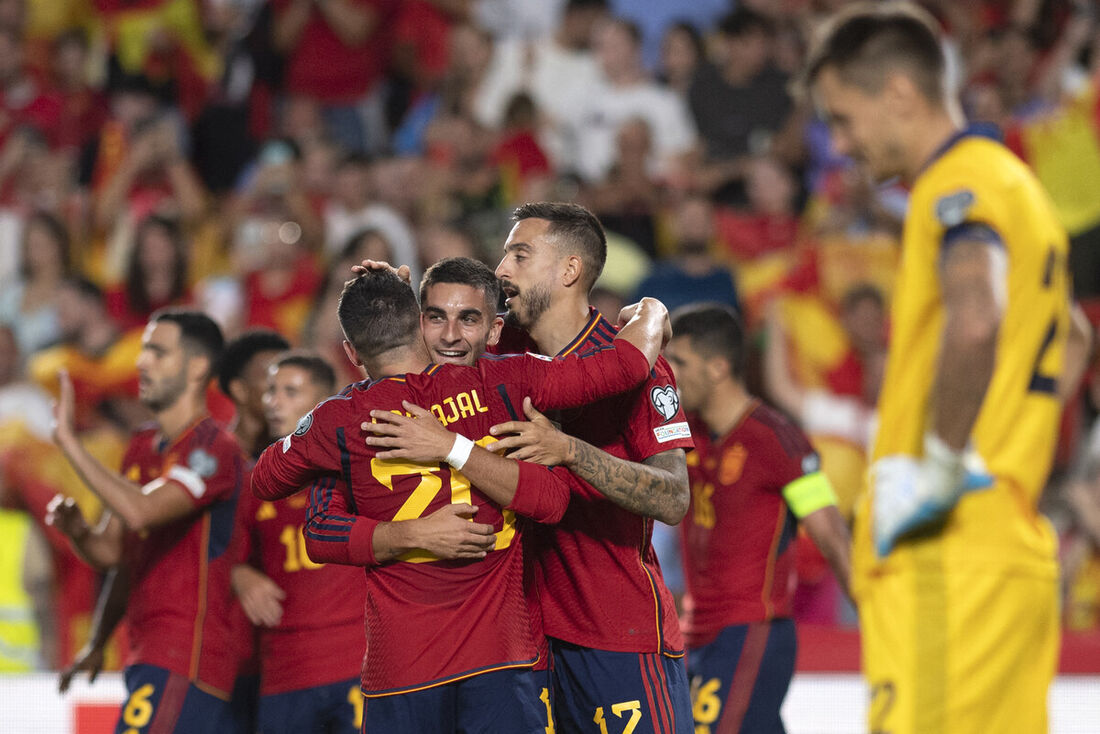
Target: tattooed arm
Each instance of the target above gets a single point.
(657, 487)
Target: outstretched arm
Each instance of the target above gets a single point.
(657, 487)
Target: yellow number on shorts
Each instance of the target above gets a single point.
(431, 482)
(295, 544)
(635, 709)
(139, 710)
(705, 704)
(545, 698)
(882, 702)
(355, 698)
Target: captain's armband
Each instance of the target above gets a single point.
(809, 493)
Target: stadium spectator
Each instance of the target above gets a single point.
(156, 273)
(27, 304)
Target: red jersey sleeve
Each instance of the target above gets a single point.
(292, 463)
(790, 454)
(209, 471)
(542, 493)
(574, 380)
(657, 422)
(333, 534)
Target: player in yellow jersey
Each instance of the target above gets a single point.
(954, 569)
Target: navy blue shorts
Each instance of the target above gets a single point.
(739, 681)
(162, 702)
(335, 708)
(616, 692)
(500, 702)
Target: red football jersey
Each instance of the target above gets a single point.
(315, 643)
(597, 575)
(179, 607)
(737, 537)
(431, 621)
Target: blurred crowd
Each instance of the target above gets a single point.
(240, 155)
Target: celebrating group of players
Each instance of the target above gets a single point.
(502, 502)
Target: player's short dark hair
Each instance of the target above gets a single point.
(574, 5)
(240, 351)
(199, 334)
(378, 312)
(714, 330)
(576, 231)
(744, 21)
(317, 367)
(867, 42)
(464, 271)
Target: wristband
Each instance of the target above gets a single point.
(460, 452)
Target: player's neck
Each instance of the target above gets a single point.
(729, 401)
(935, 131)
(559, 325)
(400, 361)
(181, 415)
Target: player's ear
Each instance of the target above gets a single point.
(353, 357)
(574, 267)
(494, 331)
(237, 390)
(717, 368)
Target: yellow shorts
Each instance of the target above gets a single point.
(958, 651)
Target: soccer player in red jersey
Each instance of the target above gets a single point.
(242, 377)
(169, 533)
(752, 484)
(449, 643)
(310, 653)
(611, 622)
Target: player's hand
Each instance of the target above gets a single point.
(64, 514)
(419, 438)
(640, 309)
(402, 272)
(89, 659)
(910, 493)
(450, 533)
(536, 439)
(260, 597)
(64, 409)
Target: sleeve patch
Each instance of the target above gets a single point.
(190, 479)
(672, 432)
(304, 424)
(952, 209)
(202, 463)
(665, 401)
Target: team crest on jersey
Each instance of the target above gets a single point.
(202, 463)
(952, 209)
(665, 401)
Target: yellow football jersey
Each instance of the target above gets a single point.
(978, 188)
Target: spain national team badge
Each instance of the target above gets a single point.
(952, 210)
(665, 401)
(733, 463)
(202, 463)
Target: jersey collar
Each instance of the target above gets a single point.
(972, 130)
(594, 317)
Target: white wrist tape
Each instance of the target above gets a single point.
(460, 452)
